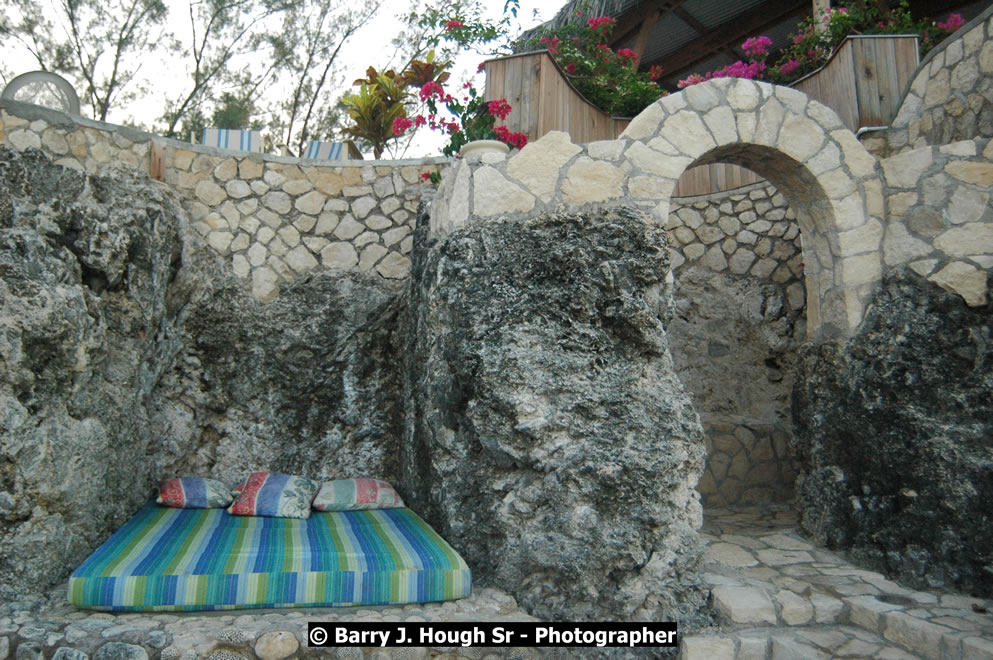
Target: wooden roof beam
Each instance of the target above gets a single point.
(745, 25)
(635, 20)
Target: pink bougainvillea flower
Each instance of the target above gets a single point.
(628, 54)
(454, 25)
(655, 72)
(400, 125)
(499, 108)
(757, 45)
(431, 88)
(788, 67)
(953, 23)
(419, 121)
(691, 80)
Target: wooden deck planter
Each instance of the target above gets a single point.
(863, 82)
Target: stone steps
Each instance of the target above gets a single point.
(772, 591)
(800, 643)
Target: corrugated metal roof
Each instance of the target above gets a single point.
(669, 35)
(713, 13)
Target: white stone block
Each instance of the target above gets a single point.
(970, 238)
(706, 648)
(588, 180)
(687, 132)
(741, 604)
(904, 170)
(493, 194)
(963, 279)
(339, 255)
(538, 164)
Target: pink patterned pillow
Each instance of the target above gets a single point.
(356, 494)
(276, 495)
(193, 493)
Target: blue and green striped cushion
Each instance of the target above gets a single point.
(205, 559)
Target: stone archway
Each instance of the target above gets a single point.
(801, 146)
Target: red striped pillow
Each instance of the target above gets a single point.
(356, 494)
(274, 494)
(194, 493)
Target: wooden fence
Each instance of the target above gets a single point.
(863, 82)
(865, 78)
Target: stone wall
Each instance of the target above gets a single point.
(273, 218)
(739, 321)
(940, 222)
(951, 96)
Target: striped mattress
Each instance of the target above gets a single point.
(167, 559)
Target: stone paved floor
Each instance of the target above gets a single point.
(779, 597)
(774, 595)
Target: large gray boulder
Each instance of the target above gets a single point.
(547, 435)
(894, 432)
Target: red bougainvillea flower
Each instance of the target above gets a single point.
(400, 125)
(519, 140)
(655, 72)
(570, 69)
(627, 54)
(553, 44)
(453, 25)
(499, 108)
(425, 176)
(601, 22)
(419, 121)
(431, 88)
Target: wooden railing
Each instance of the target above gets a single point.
(863, 82)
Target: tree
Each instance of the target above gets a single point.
(316, 32)
(102, 48)
(221, 31)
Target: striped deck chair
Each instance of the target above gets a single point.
(232, 138)
(319, 150)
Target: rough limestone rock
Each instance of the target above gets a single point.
(733, 342)
(87, 330)
(895, 438)
(308, 384)
(548, 438)
(130, 353)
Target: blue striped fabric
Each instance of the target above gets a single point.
(231, 138)
(318, 150)
(206, 559)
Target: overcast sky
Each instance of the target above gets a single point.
(368, 47)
